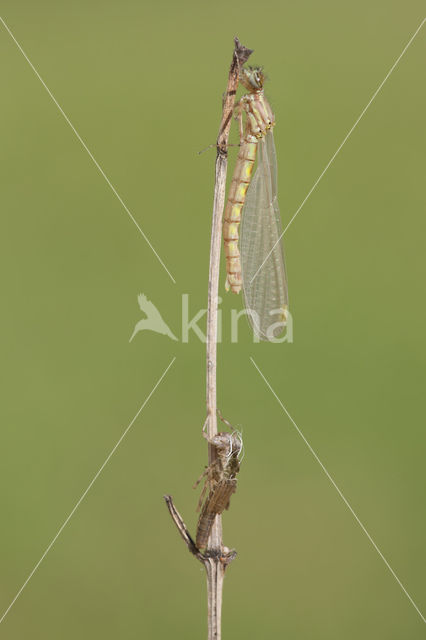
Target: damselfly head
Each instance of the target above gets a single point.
(252, 78)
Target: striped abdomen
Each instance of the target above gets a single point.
(217, 502)
(232, 218)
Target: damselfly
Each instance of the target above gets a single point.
(260, 269)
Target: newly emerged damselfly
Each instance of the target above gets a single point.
(259, 270)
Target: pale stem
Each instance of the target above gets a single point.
(216, 557)
(215, 566)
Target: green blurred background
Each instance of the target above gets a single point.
(142, 84)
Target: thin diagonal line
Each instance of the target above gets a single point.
(86, 148)
(318, 180)
(339, 492)
(84, 494)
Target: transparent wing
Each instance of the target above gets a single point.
(265, 291)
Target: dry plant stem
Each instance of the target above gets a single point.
(215, 558)
(181, 526)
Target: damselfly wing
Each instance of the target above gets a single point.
(262, 258)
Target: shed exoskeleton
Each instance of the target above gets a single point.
(220, 481)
